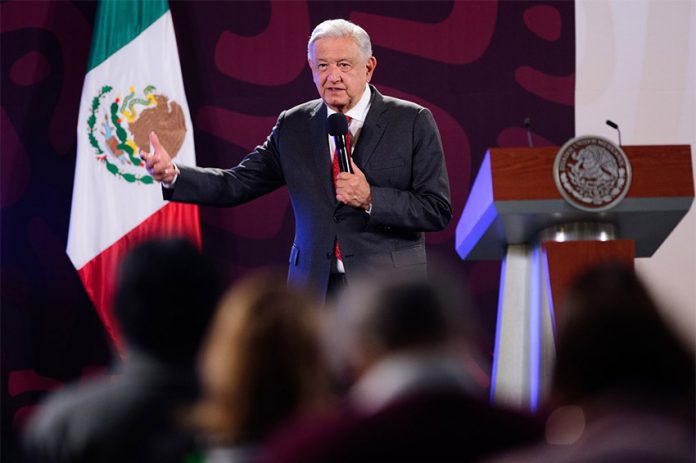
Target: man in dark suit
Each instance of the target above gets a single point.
(165, 297)
(370, 220)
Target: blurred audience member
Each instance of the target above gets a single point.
(399, 337)
(623, 383)
(414, 399)
(261, 365)
(165, 296)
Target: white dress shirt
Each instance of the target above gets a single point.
(357, 115)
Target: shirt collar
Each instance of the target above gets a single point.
(359, 111)
(401, 374)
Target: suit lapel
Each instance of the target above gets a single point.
(320, 149)
(372, 130)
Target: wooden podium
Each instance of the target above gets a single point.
(515, 213)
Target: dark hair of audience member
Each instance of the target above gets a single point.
(387, 314)
(406, 314)
(262, 362)
(613, 339)
(165, 297)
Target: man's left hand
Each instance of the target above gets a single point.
(353, 189)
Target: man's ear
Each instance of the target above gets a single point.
(371, 65)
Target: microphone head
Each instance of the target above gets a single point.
(613, 125)
(527, 122)
(338, 124)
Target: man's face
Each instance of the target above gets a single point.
(340, 72)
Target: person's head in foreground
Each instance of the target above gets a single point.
(166, 294)
(262, 362)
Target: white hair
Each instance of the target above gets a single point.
(341, 28)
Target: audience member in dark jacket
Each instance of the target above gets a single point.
(133, 414)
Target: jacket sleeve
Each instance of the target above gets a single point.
(260, 172)
(426, 205)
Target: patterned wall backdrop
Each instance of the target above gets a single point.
(481, 67)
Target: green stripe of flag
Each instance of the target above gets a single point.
(120, 21)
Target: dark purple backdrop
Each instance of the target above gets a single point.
(481, 67)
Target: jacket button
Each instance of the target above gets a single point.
(329, 255)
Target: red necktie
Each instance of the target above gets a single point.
(336, 171)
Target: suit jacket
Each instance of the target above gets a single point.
(399, 151)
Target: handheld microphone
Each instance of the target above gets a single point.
(527, 125)
(615, 126)
(338, 128)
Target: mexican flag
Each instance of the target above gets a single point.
(133, 86)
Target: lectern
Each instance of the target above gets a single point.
(517, 214)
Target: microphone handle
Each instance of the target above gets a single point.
(342, 153)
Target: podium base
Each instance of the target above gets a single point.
(533, 282)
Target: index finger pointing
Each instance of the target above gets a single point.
(154, 141)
